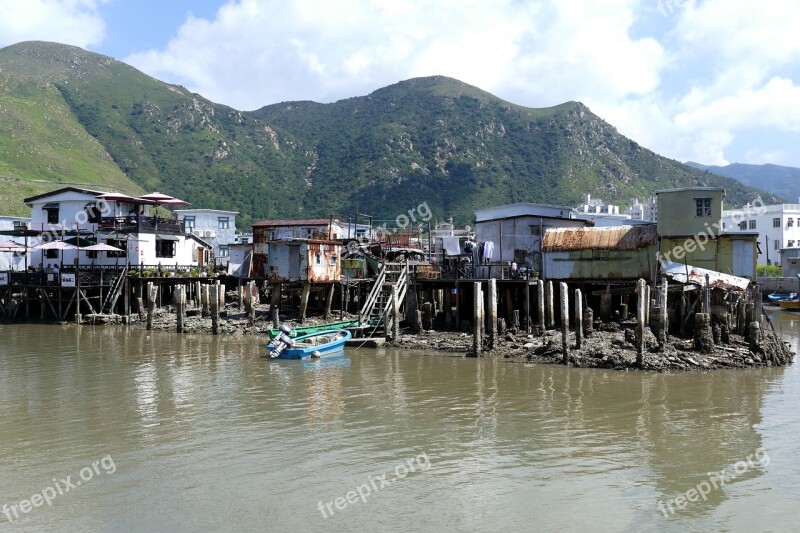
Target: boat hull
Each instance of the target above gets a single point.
(782, 297)
(790, 305)
(318, 345)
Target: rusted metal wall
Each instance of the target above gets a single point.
(314, 261)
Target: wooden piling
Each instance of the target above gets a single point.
(551, 319)
(395, 314)
(663, 318)
(304, 300)
(251, 301)
(578, 319)
(540, 298)
(754, 337)
(703, 337)
(527, 308)
(274, 301)
(648, 304)
(492, 313)
(213, 291)
(564, 294)
(329, 301)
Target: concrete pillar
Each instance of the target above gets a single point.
(588, 322)
(755, 337)
(180, 307)
(152, 295)
(663, 318)
(251, 301)
(551, 320)
(274, 302)
(427, 316)
(477, 317)
(703, 338)
(648, 304)
(206, 300)
(564, 294)
(641, 306)
(213, 300)
(395, 314)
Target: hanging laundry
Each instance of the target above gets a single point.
(488, 250)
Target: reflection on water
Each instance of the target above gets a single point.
(208, 434)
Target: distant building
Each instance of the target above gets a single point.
(646, 211)
(777, 226)
(214, 226)
(596, 206)
(516, 231)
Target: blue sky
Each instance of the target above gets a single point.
(713, 81)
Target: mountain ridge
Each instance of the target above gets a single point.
(433, 139)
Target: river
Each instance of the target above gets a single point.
(125, 430)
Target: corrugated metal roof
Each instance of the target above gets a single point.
(307, 222)
(697, 276)
(608, 238)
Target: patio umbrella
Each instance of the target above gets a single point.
(102, 247)
(11, 246)
(56, 245)
(163, 199)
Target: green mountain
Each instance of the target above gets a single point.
(72, 116)
(783, 182)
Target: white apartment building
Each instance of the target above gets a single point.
(645, 211)
(596, 206)
(778, 227)
(214, 226)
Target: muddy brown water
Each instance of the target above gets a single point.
(171, 432)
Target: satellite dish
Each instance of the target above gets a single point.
(468, 228)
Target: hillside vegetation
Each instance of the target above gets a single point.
(71, 116)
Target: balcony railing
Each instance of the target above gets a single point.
(142, 224)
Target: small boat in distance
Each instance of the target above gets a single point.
(782, 296)
(311, 346)
(790, 305)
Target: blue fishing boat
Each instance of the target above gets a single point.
(782, 296)
(312, 346)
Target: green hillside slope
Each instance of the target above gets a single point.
(74, 116)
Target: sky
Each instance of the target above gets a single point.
(711, 81)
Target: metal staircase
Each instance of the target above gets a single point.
(114, 293)
(379, 299)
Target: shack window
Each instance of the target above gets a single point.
(224, 251)
(752, 224)
(18, 225)
(703, 206)
(122, 245)
(776, 222)
(93, 213)
(222, 223)
(743, 225)
(790, 222)
(165, 248)
(190, 222)
(318, 258)
(333, 261)
(791, 244)
(52, 212)
(51, 254)
(91, 254)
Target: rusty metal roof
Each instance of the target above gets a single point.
(607, 238)
(307, 222)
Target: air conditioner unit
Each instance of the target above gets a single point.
(210, 233)
(197, 232)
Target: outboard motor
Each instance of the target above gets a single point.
(282, 341)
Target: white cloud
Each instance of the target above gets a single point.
(75, 22)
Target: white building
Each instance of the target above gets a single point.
(596, 206)
(646, 211)
(214, 226)
(10, 228)
(119, 220)
(778, 227)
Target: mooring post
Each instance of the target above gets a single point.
(703, 337)
(527, 308)
(304, 300)
(205, 300)
(477, 317)
(754, 341)
(246, 298)
(213, 300)
(251, 301)
(274, 299)
(540, 299)
(663, 319)
(551, 319)
(152, 294)
(641, 305)
(648, 304)
(492, 313)
(180, 304)
(578, 319)
(588, 322)
(564, 294)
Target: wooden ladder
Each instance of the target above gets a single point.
(114, 293)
